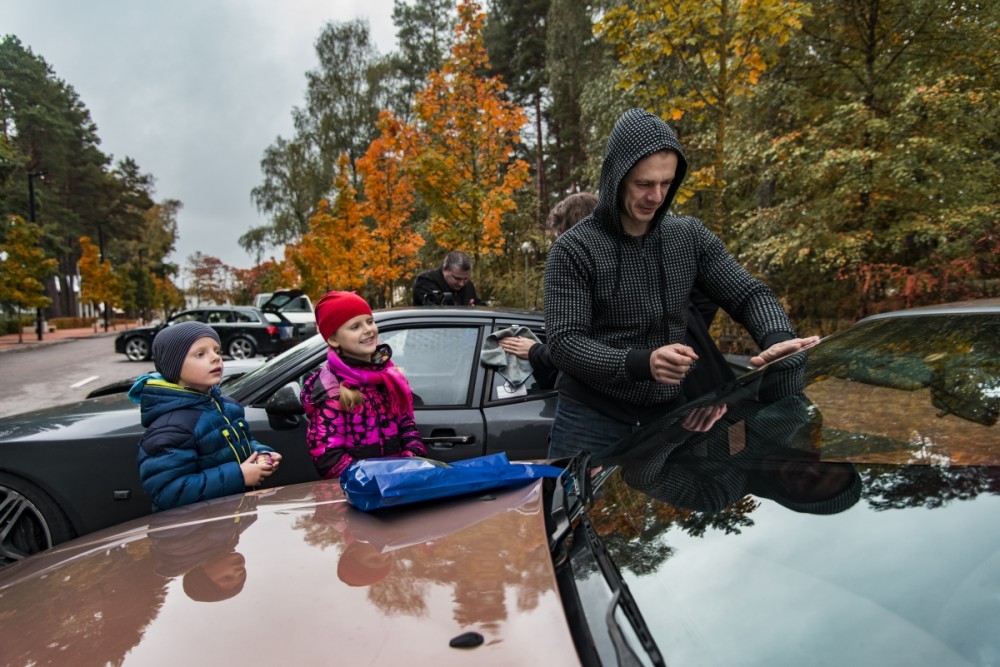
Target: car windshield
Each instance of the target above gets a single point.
(276, 367)
(836, 511)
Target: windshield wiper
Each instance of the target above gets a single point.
(572, 491)
(621, 598)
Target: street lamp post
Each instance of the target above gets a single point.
(526, 249)
(100, 247)
(31, 216)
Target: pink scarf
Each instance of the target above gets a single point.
(387, 374)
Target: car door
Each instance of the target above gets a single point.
(440, 359)
(518, 419)
(440, 362)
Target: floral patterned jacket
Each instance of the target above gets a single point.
(375, 428)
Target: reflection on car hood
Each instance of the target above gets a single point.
(96, 416)
(838, 511)
(296, 576)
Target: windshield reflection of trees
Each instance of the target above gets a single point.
(927, 486)
(424, 547)
(649, 496)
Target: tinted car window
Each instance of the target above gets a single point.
(246, 316)
(437, 362)
(298, 305)
(189, 316)
(217, 317)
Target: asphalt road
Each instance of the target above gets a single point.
(62, 373)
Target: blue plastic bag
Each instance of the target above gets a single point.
(373, 483)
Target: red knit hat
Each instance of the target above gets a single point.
(335, 308)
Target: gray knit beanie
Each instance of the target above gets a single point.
(171, 345)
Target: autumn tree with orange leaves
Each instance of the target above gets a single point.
(465, 136)
(98, 282)
(392, 253)
(166, 296)
(331, 256)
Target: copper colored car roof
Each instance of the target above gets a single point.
(294, 575)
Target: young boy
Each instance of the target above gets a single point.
(197, 443)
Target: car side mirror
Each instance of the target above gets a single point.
(284, 407)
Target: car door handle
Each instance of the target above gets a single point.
(445, 441)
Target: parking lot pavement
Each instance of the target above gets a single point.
(29, 341)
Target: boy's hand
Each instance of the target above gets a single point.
(253, 472)
(274, 457)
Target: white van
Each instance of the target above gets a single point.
(294, 305)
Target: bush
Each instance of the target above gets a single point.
(15, 324)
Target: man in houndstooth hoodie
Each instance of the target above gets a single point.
(616, 294)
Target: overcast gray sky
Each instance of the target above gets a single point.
(193, 90)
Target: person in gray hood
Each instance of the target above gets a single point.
(616, 294)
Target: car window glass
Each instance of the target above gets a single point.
(438, 362)
(189, 316)
(938, 396)
(501, 389)
(245, 316)
(280, 366)
(298, 305)
(217, 317)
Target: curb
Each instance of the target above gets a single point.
(34, 345)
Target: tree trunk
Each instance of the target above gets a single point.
(541, 193)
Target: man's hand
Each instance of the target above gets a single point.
(703, 419)
(670, 363)
(782, 349)
(517, 346)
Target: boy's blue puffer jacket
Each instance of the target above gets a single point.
(193, 444)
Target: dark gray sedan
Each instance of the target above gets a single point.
(71, 469)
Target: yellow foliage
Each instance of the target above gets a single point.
(463, 160)
(98, 281)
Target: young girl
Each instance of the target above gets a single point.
(359, 404)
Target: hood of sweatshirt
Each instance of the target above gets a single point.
(636, 135)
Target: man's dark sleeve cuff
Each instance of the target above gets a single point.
(776, 337)
(637, 364)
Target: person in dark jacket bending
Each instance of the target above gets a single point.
(712, 369)
(617, 287)
(448, 286)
